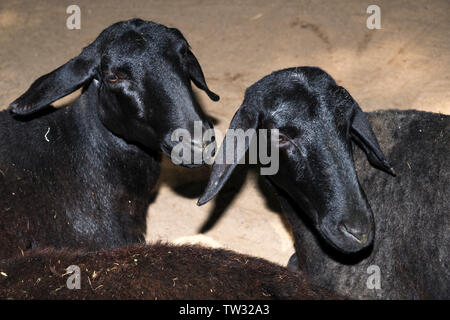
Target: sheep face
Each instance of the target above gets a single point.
(317, 176)
(317, 121)
(141, 72)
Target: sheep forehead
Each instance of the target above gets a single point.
(137, 33)
(140, 26)
(133, 42)
(301, 95)
(297, 101)
(314, 118)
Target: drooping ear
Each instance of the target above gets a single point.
(58, 83)
(363, 135)
(196, 75)
(225, 162)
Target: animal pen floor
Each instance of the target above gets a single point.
(404, 65)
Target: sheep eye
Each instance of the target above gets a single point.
(112, 78)
(282, 139)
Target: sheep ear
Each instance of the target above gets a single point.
(196, 75)
(57, 84)
(226, 161)
(362, 134)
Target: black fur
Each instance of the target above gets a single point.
(317, 120)
(82, 176)
(412, 216)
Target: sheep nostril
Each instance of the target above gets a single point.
(356, 234)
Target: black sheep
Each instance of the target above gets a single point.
(82, 176)
(320, 192)
(317, 121)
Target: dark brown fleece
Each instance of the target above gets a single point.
(156, 271)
